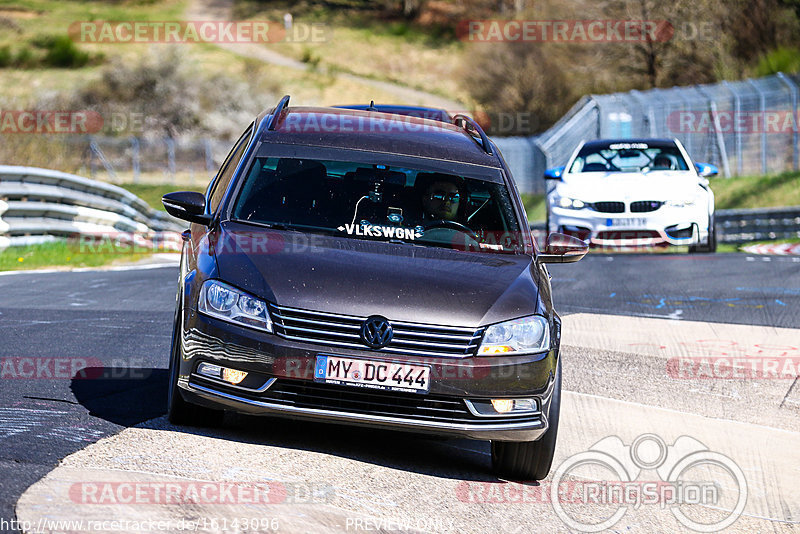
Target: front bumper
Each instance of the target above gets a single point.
(283, 385)
(666, 225)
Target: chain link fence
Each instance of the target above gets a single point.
(190, 162)
(747, 127)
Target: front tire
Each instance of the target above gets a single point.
(710, 246)
(180, 412)
(530, 460)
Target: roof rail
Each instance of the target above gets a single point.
(467, 123)
(273, 121)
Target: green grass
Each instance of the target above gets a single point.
(775, 190)
(535, 206)
(67, 254)
(152, 193)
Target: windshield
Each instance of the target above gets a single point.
(629, 157)
(374, 201)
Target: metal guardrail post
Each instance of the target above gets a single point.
(793, 88)
(762, 99)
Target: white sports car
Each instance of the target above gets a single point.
(633, 192)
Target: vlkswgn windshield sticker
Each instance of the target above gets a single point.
(372, 230)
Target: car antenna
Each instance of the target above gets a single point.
(372, 106)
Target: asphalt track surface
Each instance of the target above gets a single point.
(121, 323)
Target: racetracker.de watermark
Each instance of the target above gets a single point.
(198, 31)
(170, 492)
(565, 31)
(732, 368)
(40, 121)
(775, 121)
(72, 368)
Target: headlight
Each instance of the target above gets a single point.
(218, 299)
(680, 203)
(520, 336)
(570, 203)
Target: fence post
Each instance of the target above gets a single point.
(723, 152)
(689, 138)
(171, 158)
(91, 157)
(647, 112)
(737, 132)
(209, 157)
(135, 158)
(762, 99)
(793, 88)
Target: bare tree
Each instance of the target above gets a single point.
(511, 79)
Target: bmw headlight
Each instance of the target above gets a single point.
(220, 300)
(570, 203)
(683, 203)
(520, 336)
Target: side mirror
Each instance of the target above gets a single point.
(706, 169)
(187, 205)
(554, 174)
(563, 248)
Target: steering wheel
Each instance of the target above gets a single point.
(455, 225)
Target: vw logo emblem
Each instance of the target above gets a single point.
(376, 332)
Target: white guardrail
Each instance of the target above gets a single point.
(40, 204)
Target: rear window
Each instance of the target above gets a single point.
(374, 201)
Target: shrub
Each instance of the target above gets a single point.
(62, 52)
(5, 57)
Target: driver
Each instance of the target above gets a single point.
(662, 163)
(441, 200)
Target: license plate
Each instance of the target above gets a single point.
(372, 374)
(627, 223)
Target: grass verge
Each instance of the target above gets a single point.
(535, 206)
(747, 192)
(67, 253)
(152, 193)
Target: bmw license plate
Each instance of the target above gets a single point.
(626, 223)
(372, 374)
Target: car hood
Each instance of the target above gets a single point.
(360, 277)
(658, 185)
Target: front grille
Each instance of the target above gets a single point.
(609, 207)
(643, 206)
(352, 400)
(343, 330)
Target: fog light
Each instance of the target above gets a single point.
(232, 375)
(503, 405)
(525, 405)
(210, 370)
